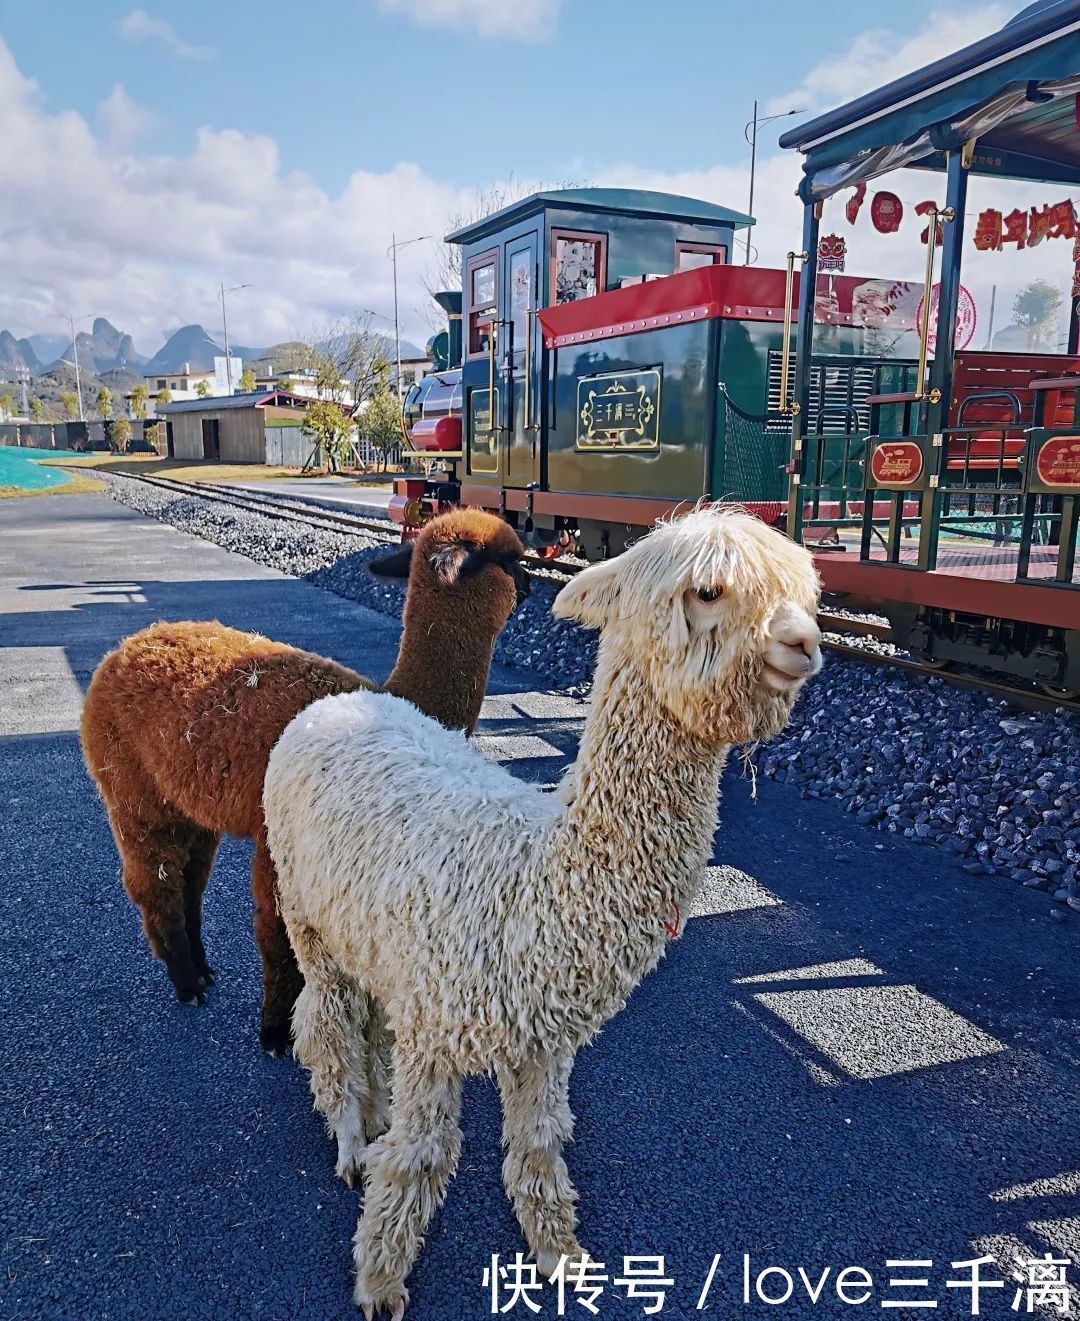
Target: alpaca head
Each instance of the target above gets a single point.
(717, 612)
(467, 556)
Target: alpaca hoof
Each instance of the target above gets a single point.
(206, 976)
(191, 996)
(351, 1174)
(392, 1301)
(274, 1039)
(547, 1260)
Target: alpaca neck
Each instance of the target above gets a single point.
(642, 801)
(442, 665)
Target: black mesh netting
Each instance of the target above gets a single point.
(756, 452)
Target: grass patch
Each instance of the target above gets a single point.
(76, 484)
(177, 470)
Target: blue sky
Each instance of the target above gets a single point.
(154, 150)
(342, 84)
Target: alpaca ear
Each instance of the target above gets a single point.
(591, 596)
(456, 560)
(396, 565)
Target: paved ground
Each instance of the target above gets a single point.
(855, 1054)
(366, 501)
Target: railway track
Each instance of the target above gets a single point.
(295, 509)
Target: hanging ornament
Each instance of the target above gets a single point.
(886, 212)
(853, 205)
(923, 209)
(832, 252)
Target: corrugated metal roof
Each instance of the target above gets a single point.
(255, 399)
(970, 93)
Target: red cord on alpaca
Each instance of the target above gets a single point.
(673, 931)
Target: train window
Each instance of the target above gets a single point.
(692, 256)
(578, 265)
(482, 293)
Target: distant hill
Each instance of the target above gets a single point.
(47, 347)
(104, 349)
(16, 354)
(189, 344)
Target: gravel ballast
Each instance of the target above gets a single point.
(944, 766)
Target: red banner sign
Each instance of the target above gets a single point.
(1058, 463)
(1025, 229)
(897, 463)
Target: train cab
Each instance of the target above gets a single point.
(614, 364)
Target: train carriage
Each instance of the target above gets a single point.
(974, 444)
(610, 364)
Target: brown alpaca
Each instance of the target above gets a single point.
(180, 719)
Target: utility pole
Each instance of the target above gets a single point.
(750, 129)
(391, 252)
(225, 327)
(78, 378)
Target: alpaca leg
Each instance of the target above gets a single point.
(196, 873)
(380, 1043)
(281, 977)
(154, 862)
(408, 1173)
(536, 1123)
(329, 1026)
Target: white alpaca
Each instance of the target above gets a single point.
(492, 926)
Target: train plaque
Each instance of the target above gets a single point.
(619, 411)
(897, 465)
(1052, 463)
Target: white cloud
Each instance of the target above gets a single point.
(141, 26)
(123, 120)
(523, 20)
(878, 56)
(144, 239)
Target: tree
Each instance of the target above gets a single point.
(69, 402)
(331, 426)
(104, 402)
(247, 380)
(1035, 309)
(445, 269)
(37, 410)
(140, 397)
(119, 435)
(7, 405)
(349, 361)
(152, 433)
(380, 423)
(202, 389)
(285, 384)
(162, 398)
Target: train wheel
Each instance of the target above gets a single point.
(1062, 694)
(935, 662)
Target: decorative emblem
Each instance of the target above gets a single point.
(853, 205)
(886, 212)
(897, 463)
(619, 410)
(832, 252)
(966, 319)
(1058, 463)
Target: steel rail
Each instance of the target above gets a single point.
(297, 511)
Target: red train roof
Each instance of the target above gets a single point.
(740, 293)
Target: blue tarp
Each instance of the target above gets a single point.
(969, 94)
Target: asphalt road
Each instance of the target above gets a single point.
(855, 1054)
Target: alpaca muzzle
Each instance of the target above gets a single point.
(793, 649)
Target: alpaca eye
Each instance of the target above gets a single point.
(708, 594)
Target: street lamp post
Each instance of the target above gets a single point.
(750, 130)
(225, 327)
(392, 252)
(75, 347)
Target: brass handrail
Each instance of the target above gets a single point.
(492, 337)
(526, 423)
(785, 352)
(921, 382)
